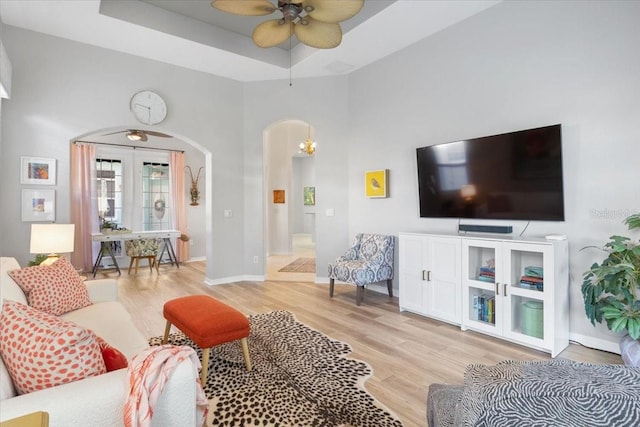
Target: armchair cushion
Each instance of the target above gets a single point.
(369, 260)
(142, 247)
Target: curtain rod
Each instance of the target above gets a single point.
(128, 146)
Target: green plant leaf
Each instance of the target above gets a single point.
(633, 221)
(619, 324)
(633, 328)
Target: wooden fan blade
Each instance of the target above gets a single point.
(245, 7)
(113, 133)
(332, 11)
(272, 33)
(158, 134)
(321, 35)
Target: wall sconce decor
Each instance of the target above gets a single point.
(195, 193)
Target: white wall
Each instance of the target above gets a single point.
(63, 89)
(515, 66)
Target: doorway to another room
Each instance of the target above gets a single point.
(299, 266)
(290, 211)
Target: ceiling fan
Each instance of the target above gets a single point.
(314, 22)
(139, 135)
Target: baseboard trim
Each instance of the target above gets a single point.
(595, 343)
(232, 279)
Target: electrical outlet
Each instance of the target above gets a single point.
(228, 213)
(255, 259)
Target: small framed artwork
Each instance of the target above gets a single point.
(38, 205)
(375, 183)
(37, 170)
(309, 194)
(278, 196)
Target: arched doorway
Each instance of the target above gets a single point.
(199, 221)
(289, 202)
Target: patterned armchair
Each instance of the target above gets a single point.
(142, 248)
(369, 260)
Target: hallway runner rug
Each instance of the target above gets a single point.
(300, 377)
(300, 265)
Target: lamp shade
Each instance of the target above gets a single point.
(52, 238)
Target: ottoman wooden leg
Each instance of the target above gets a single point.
(166, 332)
(130, 264)
(205, 366)
(245, 351)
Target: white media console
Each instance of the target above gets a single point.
(512, 288)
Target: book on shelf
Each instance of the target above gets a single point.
(484, 306)
(532, 278)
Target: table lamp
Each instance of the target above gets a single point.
(52, 239)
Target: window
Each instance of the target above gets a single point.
(155, 196)
(109, 189)
(134, 188)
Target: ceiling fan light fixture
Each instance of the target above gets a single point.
(318, 27)
(135, 136)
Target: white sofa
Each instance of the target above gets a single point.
(97, 401)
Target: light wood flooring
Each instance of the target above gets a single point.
(407, 352)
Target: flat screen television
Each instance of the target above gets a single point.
(512, 176)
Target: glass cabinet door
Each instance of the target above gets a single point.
(528, 268)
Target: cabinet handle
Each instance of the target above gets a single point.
(426, 275)
(497, 288)
(429, 275)
(504, 288)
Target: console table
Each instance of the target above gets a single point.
(105, 240)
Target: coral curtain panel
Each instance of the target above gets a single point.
(179, 202)
(84, 206)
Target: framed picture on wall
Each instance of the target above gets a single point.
(38, 205)
(37, 170)
(309, 195)
(278, 196)
(375, 183)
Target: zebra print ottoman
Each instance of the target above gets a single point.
(543, 393)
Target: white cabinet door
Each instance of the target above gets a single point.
(481, 284)
(444, 278)
(528, 298)
(412, 285)
(430, 276)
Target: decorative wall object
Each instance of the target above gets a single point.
(37, 170)
(38, 205)
(195, 193)
(375, 183)
(309, 196)
(278, 196)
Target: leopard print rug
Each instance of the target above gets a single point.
(300, 377)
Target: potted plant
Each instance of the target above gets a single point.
(611, 291)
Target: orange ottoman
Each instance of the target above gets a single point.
(208, 322)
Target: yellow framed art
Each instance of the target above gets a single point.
(375, 183)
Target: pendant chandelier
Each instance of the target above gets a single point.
(307, 146)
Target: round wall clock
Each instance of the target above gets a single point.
(148, 107)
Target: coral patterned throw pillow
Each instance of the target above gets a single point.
(41, 350)
(54, 289)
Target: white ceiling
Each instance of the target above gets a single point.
(194, 35)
